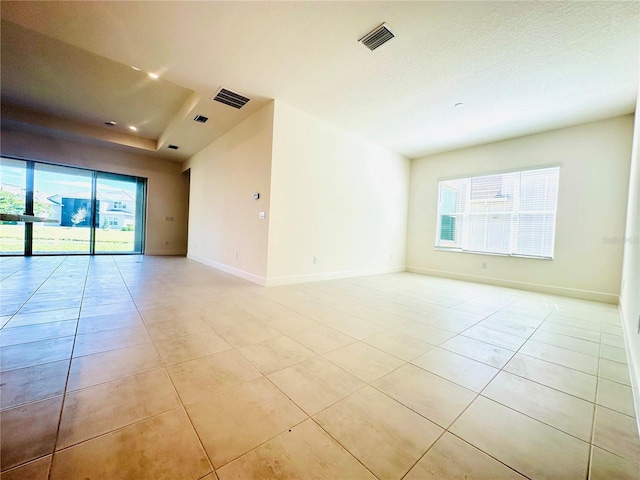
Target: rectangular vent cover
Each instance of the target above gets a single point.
(173, 147)
(230, 98)
(377, 37)
(201, 118)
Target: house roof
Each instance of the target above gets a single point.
(18, 190)
(517, 68)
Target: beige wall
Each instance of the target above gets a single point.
(167, 187)
(594, 178)
(335, 197)
(630, 291)
(223, 215)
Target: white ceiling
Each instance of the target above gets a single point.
(518, 67)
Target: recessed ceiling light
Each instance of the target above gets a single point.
(459, 104)
(110, 123)
(133, 128)
(135, 68)
(153, 76)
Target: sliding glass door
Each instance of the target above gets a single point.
(119, 219)
(71, 210)
(64, 196)
(13, 201)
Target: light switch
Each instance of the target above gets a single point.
(261, 215)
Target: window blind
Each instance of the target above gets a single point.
(510, 213)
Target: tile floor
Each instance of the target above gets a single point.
(161, 368)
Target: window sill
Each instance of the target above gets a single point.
(459, 250)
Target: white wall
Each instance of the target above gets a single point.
(594, 176)
(167, 187)
(335, 197)
(223, 215)
(630, 291)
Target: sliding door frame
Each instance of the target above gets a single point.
(140, 213)
(28, 207)
(139, 218)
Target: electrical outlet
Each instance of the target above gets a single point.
(484, 265)
(236, 255)
(315, 260)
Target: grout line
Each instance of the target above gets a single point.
(442, 434)
(478, 394)
(548, 386)
(489, 455)
(559, 364)
(181, 404)
(117, 429)
(594, 403)
(287, 429)
(325, 293)
(265, 377)
(593, 416)
(66, 383)
(343, 447)
(501, 370)
(37, 341)
(11, 316)
(472, 446)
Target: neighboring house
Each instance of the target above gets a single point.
(116, 209)
(43, 206)
(69, 205)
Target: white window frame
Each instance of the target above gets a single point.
(462, 222)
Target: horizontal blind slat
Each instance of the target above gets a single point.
(512, 213)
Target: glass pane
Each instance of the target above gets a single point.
(453, 195)
(119, 206)
(13, 181)
(62, 194)
(448, 228)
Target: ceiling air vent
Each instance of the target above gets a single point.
(173, 147)
(201, 118)
(377, 37)
(230, 98)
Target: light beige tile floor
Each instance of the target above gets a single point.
(390, 437)
(522, 442)
(134, 367)
(315, 384)
(461, 370)
(452, 457)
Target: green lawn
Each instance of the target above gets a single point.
(52, 239)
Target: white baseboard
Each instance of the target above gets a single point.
(532, 287)
(252, 277)
(172, 253)
(634, 367)
(318, 277)
(292, 279)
